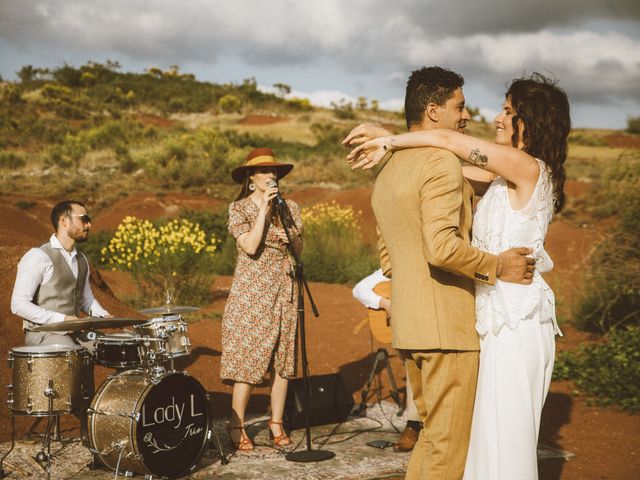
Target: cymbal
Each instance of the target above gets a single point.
(88, 323)
(169, 309)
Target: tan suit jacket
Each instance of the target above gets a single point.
(423, 206)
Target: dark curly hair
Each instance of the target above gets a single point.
(425, 86)
(544, 110)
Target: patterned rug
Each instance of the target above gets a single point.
(354, 459)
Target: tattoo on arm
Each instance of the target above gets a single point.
(478, 159)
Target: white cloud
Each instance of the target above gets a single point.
(329, 47)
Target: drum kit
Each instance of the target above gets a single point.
(146, 417)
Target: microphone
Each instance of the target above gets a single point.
(274, 183)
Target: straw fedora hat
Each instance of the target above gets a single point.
(260, 157)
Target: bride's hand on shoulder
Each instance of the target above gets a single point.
(370, 153)
(363, 133)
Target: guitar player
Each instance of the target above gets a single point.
(365, 294)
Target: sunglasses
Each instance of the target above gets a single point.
(84, 217)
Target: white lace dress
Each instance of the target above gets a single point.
(517, 327)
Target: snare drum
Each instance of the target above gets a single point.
(118, 350)
(165, 337)
(45, 369)
(156, 426)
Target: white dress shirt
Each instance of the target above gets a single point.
(36, 268)
(363, 291)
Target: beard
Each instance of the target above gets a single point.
(80, 237)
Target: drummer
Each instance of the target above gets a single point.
(52, 282)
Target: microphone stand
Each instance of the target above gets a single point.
(307, 455)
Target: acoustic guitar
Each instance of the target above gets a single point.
(379, 321)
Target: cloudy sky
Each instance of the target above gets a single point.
(328, 50)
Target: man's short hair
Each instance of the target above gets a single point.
(428, 85)
(61, 209)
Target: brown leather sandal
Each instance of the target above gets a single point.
(281, 440)
(244, 443)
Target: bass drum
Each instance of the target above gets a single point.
(157, 426)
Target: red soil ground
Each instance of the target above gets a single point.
(605, 442)
(155, 120)
(623, 141)
(152, 206)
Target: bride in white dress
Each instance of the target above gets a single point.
(522, 177)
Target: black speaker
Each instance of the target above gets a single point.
(329, 401)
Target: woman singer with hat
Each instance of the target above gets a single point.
(260, 317)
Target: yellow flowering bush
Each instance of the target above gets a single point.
(174, 257)
(330, 215)
(334, 251)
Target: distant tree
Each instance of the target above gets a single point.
(67, 75)
(249, 84)
(155, 72)
(173, 71)
(633, 125)
(362, 103)
(343, 110)
(374, 105)
(283, 89)
(113, 65)
(26, 74)
(42, 73)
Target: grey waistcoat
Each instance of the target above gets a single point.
(63, 293)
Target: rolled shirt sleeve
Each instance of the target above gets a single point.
(363, 290)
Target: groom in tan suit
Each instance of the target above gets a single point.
(423, 207)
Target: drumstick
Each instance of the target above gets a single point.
(360, 325)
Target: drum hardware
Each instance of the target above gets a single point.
(88, 323)
(223, 457)
(169, 308)
(46, 383)
(41, 457)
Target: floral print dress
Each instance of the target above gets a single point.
(259, 323)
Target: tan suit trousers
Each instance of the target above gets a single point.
(444, 388)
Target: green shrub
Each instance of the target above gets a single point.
(333, 248)
(633, 124)
(193, 160)
(11, 160)
(612, 279)
(609, 372)
(25, 205)
(13, 95)
(229, 104)
(92, 248)
(343, 110)
(300, 104)
(215, 224)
